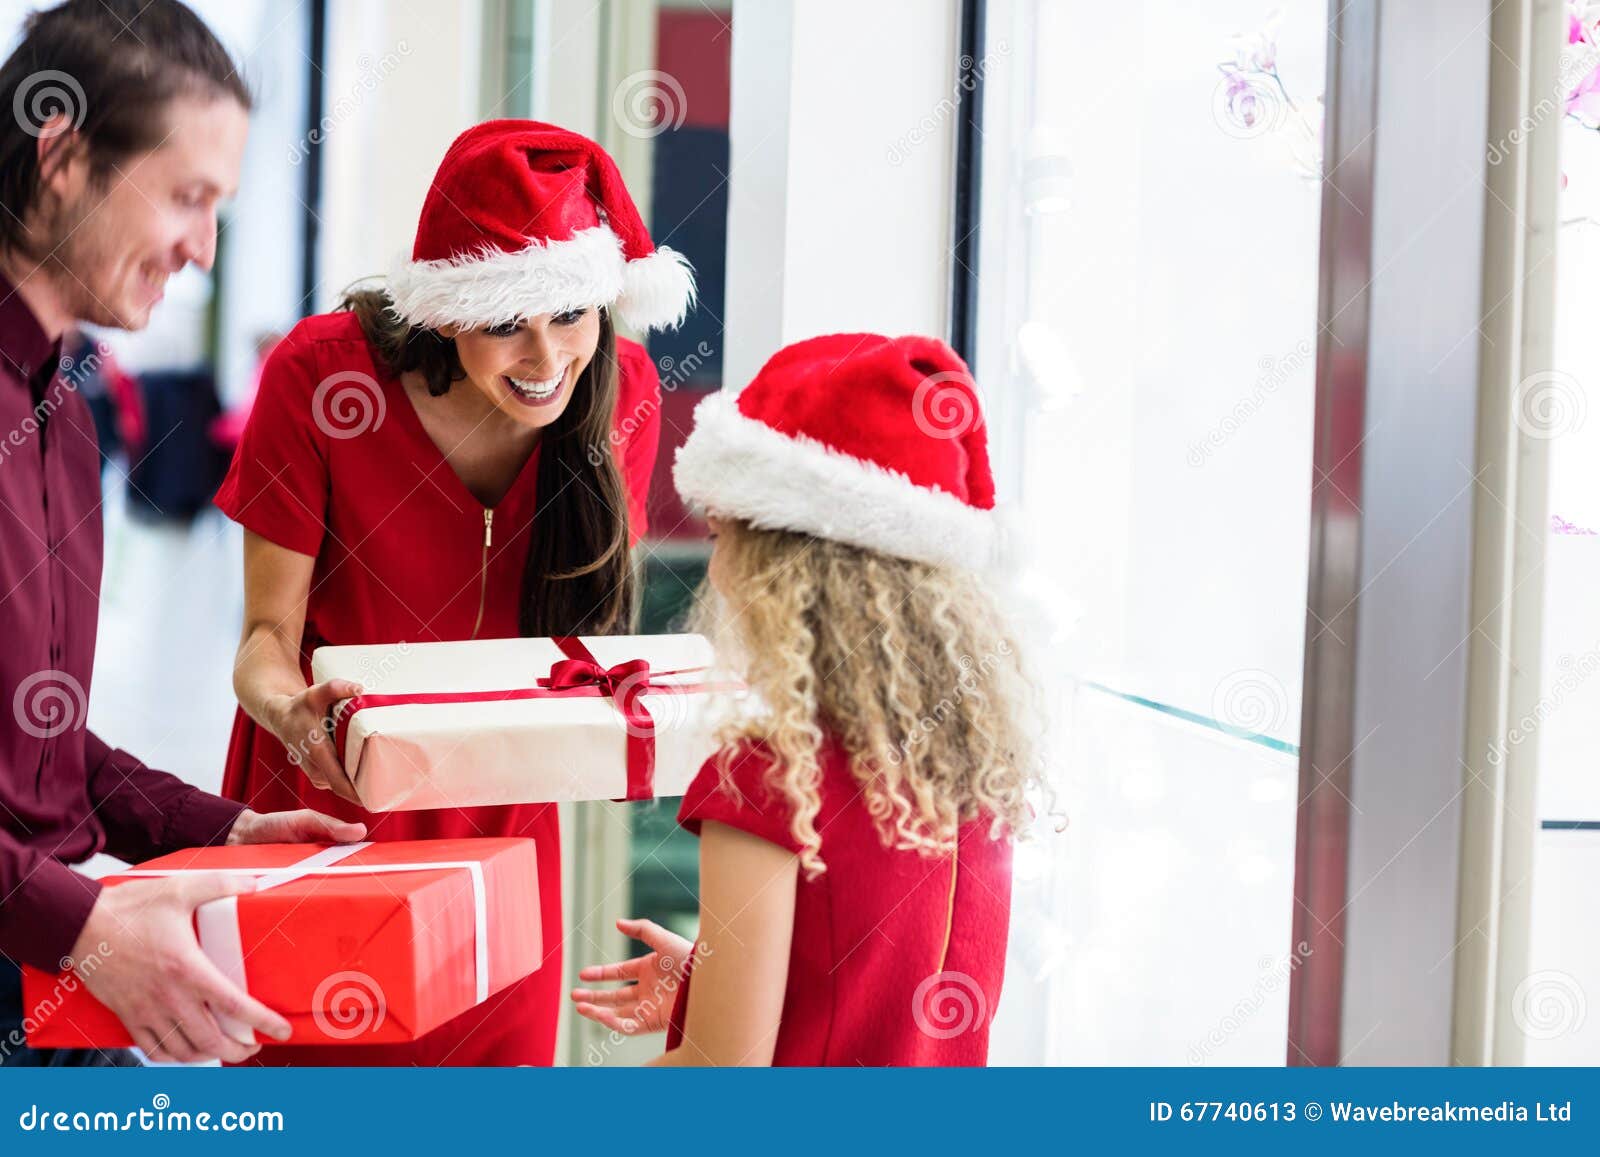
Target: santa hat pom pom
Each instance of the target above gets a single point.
(657, 291)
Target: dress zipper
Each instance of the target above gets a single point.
(950, 904)
(483, 569)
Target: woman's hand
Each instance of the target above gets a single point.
(267, 676)
(297, 827)
(303, 723)
(644, 1003)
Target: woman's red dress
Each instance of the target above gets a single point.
(335, 463)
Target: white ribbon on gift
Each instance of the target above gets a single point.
(217, 921)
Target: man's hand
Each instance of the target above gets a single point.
(297, 827)
(150, 971)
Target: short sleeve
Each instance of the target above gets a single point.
(746, 801)
(638, 430)
(277, 484)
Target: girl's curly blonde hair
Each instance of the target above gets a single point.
(910, 667)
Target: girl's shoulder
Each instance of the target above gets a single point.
(742, 769)
(753, 761)
(737, 786)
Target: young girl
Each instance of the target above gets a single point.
(856, 831)
(443, 459)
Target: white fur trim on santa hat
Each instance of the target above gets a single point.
(494, 288)
(738, 467)
(657, 291)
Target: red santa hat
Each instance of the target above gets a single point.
(525, 218)
(874, 441)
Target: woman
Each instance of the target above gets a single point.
(442, 459)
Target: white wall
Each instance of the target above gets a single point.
(261, 273)
(402, 83)
(842, 139)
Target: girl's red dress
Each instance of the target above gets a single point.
(897, 958)
(399, 543)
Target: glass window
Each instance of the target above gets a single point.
(1147, 306)
(1549, 1005)
(666, 122)
(685, 103)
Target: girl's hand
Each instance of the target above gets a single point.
(644, 1003)
(303, 723)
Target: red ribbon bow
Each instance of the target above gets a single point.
(625, 685)
(565, 673)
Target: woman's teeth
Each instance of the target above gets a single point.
(536, 391)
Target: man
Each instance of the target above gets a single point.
(129, 127)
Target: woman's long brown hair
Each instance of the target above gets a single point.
(579, 577)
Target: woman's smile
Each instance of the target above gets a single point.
(535, 391)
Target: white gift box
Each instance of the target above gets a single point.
(541, 746)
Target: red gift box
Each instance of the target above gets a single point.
(352, 944)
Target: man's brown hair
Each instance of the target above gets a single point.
(110, 67)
